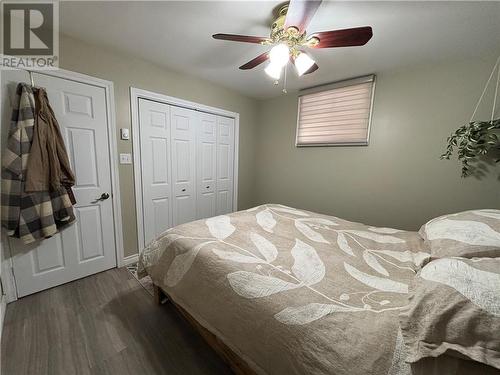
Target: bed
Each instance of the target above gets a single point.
(277, 290)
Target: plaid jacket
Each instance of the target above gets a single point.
(28, 216)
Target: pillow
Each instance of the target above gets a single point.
(454, 309)
(466, 234)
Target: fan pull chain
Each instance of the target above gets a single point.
(284, 81)
(484, 90)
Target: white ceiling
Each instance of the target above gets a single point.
(177, 35)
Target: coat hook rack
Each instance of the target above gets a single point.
(31, 78)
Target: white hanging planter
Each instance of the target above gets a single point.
(477, 138)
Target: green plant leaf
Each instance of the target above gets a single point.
(472, 140)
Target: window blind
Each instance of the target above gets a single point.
(336, 114)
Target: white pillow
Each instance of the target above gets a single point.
(465, 234)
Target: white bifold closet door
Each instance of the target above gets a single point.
(225, 164)
(206, 168)
(155, 167)
(187, 162)
(183, 130)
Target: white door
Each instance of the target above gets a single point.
(206, 168)
(87, 246)
(225, 164)
(183, 131)
(187, 166)
(155, 167)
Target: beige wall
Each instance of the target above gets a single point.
(126, 71)
(398, 180)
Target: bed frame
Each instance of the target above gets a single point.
(237, 365)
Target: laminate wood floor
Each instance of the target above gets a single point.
(103, 324)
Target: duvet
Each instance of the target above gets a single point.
(292, 291)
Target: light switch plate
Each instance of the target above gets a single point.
(124, 134)
(125, 158)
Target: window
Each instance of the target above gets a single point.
(336, 114)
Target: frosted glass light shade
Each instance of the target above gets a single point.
(279, 55)
(273, 70)
(303, 63)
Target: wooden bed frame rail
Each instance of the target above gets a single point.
(237, 365)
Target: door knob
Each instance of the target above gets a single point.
(103, 197)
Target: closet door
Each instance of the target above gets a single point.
(206, 168)
(225, 164)
(183, 122)
(154, 121)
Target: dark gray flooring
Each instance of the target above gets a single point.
(103, 324)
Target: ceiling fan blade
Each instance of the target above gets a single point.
(300, 13)
(257, 61)
(357, 36)
(240, 38)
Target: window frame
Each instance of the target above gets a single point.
(332, 86)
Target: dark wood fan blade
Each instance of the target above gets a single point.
(240, 38)
(257, 61)
(357, 36)
(300, 13)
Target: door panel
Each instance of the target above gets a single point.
(159, 148)
(154, 119)
(45, 260)
(184, 164)
(87, 246)
(89, 234)
(206, 168)
(225, 164)
(81, 149)
(162, 212)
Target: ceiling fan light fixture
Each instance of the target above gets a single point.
(289, 37)
(273, 70)
(279, 55)
(303, 62)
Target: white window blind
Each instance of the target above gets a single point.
(336, 114)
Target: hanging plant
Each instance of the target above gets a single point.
(472, 141)
(477, 139)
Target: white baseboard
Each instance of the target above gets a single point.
(130, 259)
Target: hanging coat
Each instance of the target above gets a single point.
(48, 165)
(28, 216)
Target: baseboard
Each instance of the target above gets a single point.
(130, 259)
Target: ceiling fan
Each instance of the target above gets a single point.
(289, 39)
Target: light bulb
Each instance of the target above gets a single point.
(303, 63)
(279, 55)
(273, 70)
